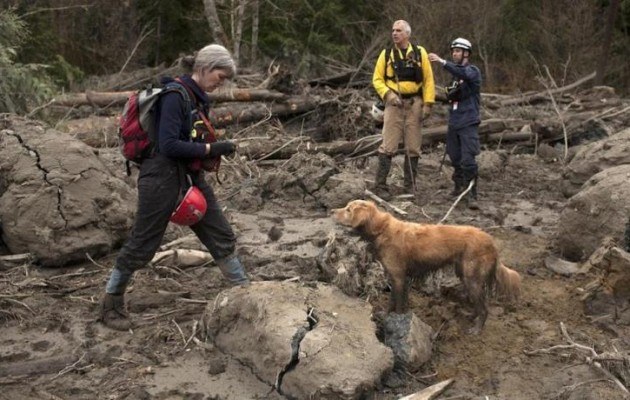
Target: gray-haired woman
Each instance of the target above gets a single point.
(176, 160)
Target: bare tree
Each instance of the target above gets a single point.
(212, 16)
(255, 24)
(237, 17)
(608, 36)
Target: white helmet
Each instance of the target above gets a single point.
(461, 43)
(378, 111)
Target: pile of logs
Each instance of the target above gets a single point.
(244, 106)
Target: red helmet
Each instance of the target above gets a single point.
(191, 209)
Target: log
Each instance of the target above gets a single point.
(486, 129)
(241, 113)
(43, 366)
(490, 130)
(182, 257)
(14, 260)
(106, 99)
(543, 95)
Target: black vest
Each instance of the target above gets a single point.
(406, 70)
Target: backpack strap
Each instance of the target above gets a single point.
(212, 137)
(416, 54)
(388, 52)
(172, 87)
(190, 95)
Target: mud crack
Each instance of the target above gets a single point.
(321, 182)
(311, 322)
(34, 153)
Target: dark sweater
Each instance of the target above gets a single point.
(174, 125)
(467, 111)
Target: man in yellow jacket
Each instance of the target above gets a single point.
(403, 78)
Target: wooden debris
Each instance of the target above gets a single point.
(544, 95)
(384, 203)
(602, 362)
(563, 267)
(183, 257)
(106, 99)
(429, 393)
(38, 366)
(14, 260)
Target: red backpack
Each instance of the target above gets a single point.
(137, 123)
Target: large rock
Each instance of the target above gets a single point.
(599, 210)
(58, 201)
(311, 342)
(412, 342)
(594, 158)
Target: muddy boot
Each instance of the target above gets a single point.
(380, 187)
(471, 201)
(410, 171)
(233, 270)
(458, 180)
(113, 314)
(471, 196)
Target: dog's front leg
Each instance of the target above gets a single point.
(398, 299)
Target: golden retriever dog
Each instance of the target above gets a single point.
(407, 249)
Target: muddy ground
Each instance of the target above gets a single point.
(51, 347)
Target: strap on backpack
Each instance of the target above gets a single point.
(388, 51)
(214, 163)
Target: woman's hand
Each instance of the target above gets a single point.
(222, 148)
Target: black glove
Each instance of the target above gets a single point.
(223, 148)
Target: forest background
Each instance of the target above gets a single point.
(49, 46)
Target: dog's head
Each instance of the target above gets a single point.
(358, 214)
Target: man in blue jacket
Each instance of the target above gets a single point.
(462, 138)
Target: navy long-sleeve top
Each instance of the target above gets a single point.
(174, 122)
(466, 111)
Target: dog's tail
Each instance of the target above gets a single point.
(508, 282)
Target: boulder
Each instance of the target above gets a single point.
(410, 338)
(58, 200)
(594, 158)
(599, 210)
(308, 341)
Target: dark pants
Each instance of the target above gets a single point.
(158, 194)
(462, 146)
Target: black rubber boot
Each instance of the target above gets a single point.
(458, 180)
(410, 169)
(626, 236)
(113, 314)
(384, 165)
(471, 196)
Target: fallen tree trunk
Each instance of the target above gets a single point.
(241, 113)
(106, 99)
(487, 127)
(490, 130)
(540, 96)
(41, 366)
